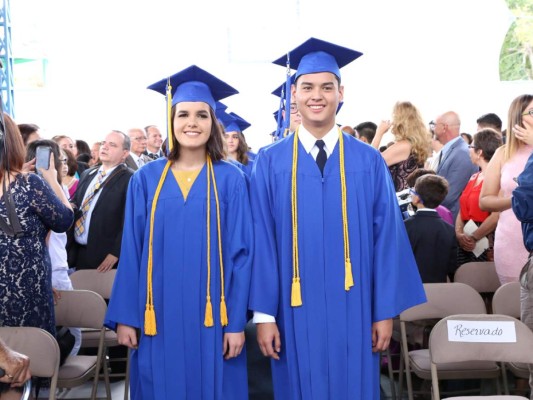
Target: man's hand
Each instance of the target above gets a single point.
(381, 334)
(127, 336)
(108, 263)
(233, 344)
(269, 339)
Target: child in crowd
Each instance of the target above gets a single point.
(432, 240)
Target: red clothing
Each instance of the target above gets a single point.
(469, 201)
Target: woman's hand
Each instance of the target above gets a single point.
(233, 344)
(50, 174)
(466, 242)
(525, 134)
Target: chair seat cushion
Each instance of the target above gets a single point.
(76, 367)
(421, 366)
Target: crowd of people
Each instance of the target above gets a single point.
(304, 238)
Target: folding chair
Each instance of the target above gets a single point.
(84, 309)
(443, 299)
(101, 283)
(40, 347)
(444, 351)
(482, 276)
(506, 301)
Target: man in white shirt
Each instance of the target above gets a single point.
(154, 142)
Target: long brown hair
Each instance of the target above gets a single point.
(214, 145)
(13, 153)
(242, 148)
(516, 109)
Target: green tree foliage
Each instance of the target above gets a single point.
(516, 56)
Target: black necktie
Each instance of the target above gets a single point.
(321, 157)
(153, 156)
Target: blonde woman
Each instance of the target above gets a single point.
(411, 145)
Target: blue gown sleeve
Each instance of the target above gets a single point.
(240, 238)
(264, 289)
(397, 282)
(522, 200)
(124, 302)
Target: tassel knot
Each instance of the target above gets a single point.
(150, 328)
(296, 293)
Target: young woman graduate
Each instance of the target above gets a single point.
(333, 263)
(181, 290)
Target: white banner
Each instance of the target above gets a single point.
(481, 331)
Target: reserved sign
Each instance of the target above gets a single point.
(481, 331)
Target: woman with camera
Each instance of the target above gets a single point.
(30, 206)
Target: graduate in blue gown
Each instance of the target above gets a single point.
(184, 275)
(332, 264)
(237, 148)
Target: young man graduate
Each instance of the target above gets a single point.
(333, 264)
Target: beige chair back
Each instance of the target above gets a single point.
(80, 308)
(445, 299)
(40, 346)
(444, 351)
(481, 275)
(506, 300)
(91, 279)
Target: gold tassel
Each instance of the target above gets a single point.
(223, 312)
(348, 277)
(150, 328)
(296, 293)
(208, 320)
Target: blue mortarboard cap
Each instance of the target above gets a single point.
(237, 123)
(339, 107)
(219, 106)
(279, 89)
(315, 55)
(276, 115)
(194, 84)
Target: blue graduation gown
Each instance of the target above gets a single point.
(326, 348)
(522, 202)
(184, 360)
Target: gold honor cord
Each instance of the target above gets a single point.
(150, 328)
(169, 113)
(208, 320)
(296, 294)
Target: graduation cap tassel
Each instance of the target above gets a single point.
(150, 326)
(169, 113)
(208, 320)
(223, 309)
(287, 119)
(296, 290)
(348, 275)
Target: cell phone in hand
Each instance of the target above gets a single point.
(42, 158)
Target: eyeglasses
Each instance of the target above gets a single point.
(433, 124)
(413, 192)
(140, 138)
(530, 112)
(294, 108)
(471, 146)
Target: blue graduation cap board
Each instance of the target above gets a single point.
(232, 122)
(315, 55)
(194, 84)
